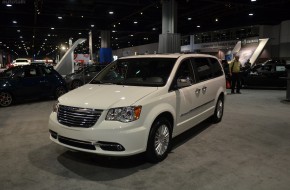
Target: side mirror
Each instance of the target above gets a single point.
(183, 82)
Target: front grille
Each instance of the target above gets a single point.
(77, 117)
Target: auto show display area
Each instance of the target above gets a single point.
(249, 149)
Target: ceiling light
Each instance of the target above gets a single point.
(8, 5)
(92, 25)
(153, 28)
(251, 14)
(111, 12)
(60, 17)
(21, 37)
(18, 30)
(141, 13)
(198, 26)
(135, 22)
(189, 18)
(80, 33)
(253, 0)
(131, 35)
(82, 16)
(216, 19)
(52, 28)
(113, 31)
(14, 22)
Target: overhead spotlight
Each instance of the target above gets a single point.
(80, 33)
(14, 22)
(198, 26)
(216, 19)
(111, 12)
(92, 25)
(131, 35)
(18, 30)
(251, 14)
(8, 5)
(113, 31)
(60, 17)
(253, 0)
(52, 28)
(135, 22)
(141, 13)
(153, 28)
(189, 18)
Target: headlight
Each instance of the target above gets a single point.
(124, 114)
(55, 106)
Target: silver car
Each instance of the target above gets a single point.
(82, 76)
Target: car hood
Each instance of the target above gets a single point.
(101, 96)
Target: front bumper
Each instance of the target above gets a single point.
(110, 138)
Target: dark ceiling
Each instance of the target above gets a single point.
(33, 33)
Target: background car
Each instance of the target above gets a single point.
(270, 74)
(21, 61)
(29, 82)
(82, 76)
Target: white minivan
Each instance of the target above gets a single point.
(139, 103)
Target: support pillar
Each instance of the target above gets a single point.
(105, 53)
(169, 40)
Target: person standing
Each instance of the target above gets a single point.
(234, 70)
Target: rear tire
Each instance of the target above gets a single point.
(159, 140)
(219, 110)
(6, 99)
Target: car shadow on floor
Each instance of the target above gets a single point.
(191, 133)
(70, 163)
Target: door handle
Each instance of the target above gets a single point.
(204, 89)
(197, 91)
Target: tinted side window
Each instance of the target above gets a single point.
(216, 68)
(31, 72)
(203, 68)
(47, 70)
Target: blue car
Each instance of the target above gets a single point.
(30, 82)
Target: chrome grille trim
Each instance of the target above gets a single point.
(77, 117)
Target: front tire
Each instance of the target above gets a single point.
(219, 110)
(6, 99)
(159, 141)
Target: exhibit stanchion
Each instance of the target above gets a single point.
(288, 83)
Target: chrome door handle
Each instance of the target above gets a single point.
(197, 91)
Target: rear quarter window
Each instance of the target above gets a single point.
(216, 67)
(203, 68)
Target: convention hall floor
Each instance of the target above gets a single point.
(249, 149)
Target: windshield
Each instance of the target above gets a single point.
(137, 72)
